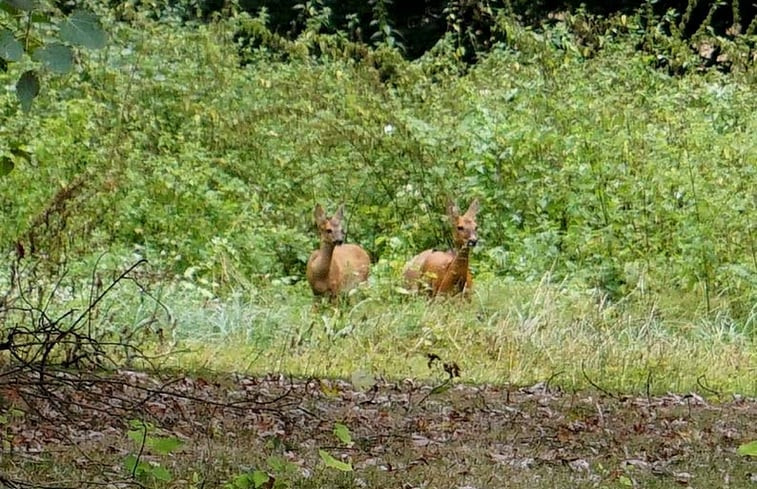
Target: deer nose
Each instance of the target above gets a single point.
(472, 242)
(338, 242)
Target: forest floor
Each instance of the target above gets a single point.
(133, 429)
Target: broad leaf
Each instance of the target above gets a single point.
(136, 435)
(343, 433)
(10, 48)
(138, 424)
(259, 478)
(749, 449)
(40, 17)
(59, 58)
(21, 4)
(164, 446)
(6, 166)
(330, 461)
(130, 463)
(161, 473)
(242, 481)
(83, 29)
(27, 88)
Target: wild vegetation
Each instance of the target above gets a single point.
(157, 200)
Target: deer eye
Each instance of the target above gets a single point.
(459, 228)
(329, 231)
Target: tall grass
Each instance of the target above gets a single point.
(509, 333)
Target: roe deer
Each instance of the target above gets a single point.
(446, 272)
(335, 267)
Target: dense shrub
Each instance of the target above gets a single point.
(596, 168)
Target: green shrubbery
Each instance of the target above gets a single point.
(592, 166)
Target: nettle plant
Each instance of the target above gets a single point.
(37, 41)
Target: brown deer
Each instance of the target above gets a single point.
(447, 272)
(335, 267)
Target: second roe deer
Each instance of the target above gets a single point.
(447, 272)
(335, 267)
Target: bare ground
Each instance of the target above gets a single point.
(70, 430)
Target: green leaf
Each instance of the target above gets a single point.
(10, 48)
(161, 473)
(343, 433)
(330, 461)
(130, 463)
(164, 445)
(748, 449)
(279, 465)
(625, 481)
(83, 28)
(138, 424)
(242, 481)
(6, 166)
(259, 478)
(23, 153)
(21, 4)
(27, 87)
(136, 436)
(59, 58)
(40, 17)
(138, 431)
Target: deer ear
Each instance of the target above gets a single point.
(473, 208)
(319, 215)
(339, 213)
(452, 210)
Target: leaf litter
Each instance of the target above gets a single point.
(399, 434)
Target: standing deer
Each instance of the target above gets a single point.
(447, 272)
(335, 267)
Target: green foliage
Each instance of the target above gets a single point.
(251, 480)
(82, 28)
(591, 166)
(36, 25)
(749, 449)
(342, 433)
(143, 436)
(57, 57)
(333, 463)
(279, 474)
(27, 88)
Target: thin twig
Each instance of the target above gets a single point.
(594, 384)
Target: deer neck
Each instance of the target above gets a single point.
(455, 276)
(460, 263)
(322, 264)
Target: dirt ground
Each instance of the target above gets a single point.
(71, 430)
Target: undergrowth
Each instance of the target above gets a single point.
(599, 170)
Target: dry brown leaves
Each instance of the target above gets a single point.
(81, 419)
